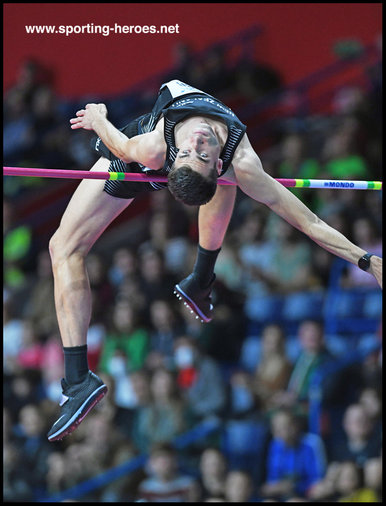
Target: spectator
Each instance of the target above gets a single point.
(154, 279)
(33, 445)
(16, 486)
(326, 488)
(56, 473)
(81, 464)
(253, 80)
(254, 252)
(274, 368)
(242, 402)
(50, 133)
(195, 372)
(186, 66)
(350, 485)
(361, 441)
(164, 417)
(223, 340)
(122, 489)
(296, 461)
(101, 438)
(165, 327)
(15, 482)
(30, 355)
(238, 487)
(18, 132)
(124, 351)
(228, 269)
(138, 396)
(373, 476)
(342, 161)
(126, 343)
(296, 163)
(291, 261)
(123, 266)
(314, 353)
(20, 389)
(99, 284)
(370, 400)
(213, 469)
(165, 482)
(141, 385)
(217, 73)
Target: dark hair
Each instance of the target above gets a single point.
(162, 447)
(190, 187)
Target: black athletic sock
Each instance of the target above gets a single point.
(75, 363)
(204, 266)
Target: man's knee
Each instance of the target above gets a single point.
(62, 248)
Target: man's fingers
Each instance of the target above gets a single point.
(81, 112)
(76, 120)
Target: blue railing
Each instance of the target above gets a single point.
(199, 432)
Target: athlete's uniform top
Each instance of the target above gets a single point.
(176, 101)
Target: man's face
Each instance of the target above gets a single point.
(163, 465)
(200, 149)
(311, 337)
(356, 422)
(284, 428)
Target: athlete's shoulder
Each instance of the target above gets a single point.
(245, 155)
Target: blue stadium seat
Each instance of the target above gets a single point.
(303, 305)
(372, 306)
(263, 308)
(292, 347)
(250, 353)
(244, 437)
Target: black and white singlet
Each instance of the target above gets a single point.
(176, 101)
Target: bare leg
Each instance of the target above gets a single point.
(88, 214)
(213, 221)
(214, 217)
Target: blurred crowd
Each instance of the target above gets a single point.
(249, 369)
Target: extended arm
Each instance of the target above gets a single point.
(147, 148)
(262, 187)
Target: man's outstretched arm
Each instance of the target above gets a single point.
(145, 148)
(259, 185)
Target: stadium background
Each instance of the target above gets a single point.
(321, 69)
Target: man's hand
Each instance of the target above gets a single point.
(85, 118)
(376, 268)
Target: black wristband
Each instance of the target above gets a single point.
(364, 262)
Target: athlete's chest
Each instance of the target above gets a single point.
(218, 126)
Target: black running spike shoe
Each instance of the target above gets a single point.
(78, 400)
(198, 299)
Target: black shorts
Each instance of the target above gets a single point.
(124, 189)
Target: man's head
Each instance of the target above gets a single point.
(238, 486)
(163, 461)
(285, 427)
(193, 177)
(357, 423)
(311, 336)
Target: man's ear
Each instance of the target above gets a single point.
(219, 166)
